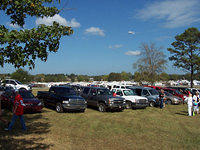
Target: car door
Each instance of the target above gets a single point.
(93, 97)
(51, 98)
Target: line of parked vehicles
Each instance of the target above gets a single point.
(75, 97)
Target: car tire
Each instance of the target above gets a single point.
(59, 108)
(102, 107)
(128, 105)
(82, 110)
(152, 104)
(169, 102)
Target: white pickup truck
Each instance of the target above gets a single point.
(132, 100)
(15, 84)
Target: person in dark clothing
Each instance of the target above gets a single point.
(18, 111)
(2, 119)
(161, 97)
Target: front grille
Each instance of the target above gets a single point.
(142, 101)
(76, 101)
(118, 102)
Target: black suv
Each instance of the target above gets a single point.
(103, 99)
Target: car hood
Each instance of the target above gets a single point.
(134, 97)
(73, 97)
(31, 100)
(153, 97)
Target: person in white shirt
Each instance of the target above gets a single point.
(196, 102)
(190, 104)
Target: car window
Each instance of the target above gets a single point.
(128, 92)
(119, 93)
(153, 92)
(138, 91)
(12, 82)
(104, 92)
(145, 92)
(86, 90)
(93, 92)
(26, 94)
(65, 91)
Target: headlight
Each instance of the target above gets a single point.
(66, 102)
(175, 99)
(39, 104)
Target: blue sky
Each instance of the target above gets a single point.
(108, 33)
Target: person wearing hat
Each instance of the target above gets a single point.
(190, 104)
(196, 102)
(18, 111)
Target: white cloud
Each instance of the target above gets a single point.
(175, 13)
(131, 32)
(95, 31)
(133, 53)
(62, 21)
(73, 23)
(14, 26)
(115, 46)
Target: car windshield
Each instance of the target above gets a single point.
(66, 91)
(104, 92)
(129, 92)
(26, 94)
(153, 92)
(18, 82)
(178, 92)
(168, 94)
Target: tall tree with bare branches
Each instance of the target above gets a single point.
(151, 62)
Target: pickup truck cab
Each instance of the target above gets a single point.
(132, 100)
(16, 85)
(62, 98)
(103, 99)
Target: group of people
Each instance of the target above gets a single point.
(18, 111)
(193, 104)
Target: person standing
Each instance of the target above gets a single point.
(190, 104)
(3, 120)
(161, 96)
(18, 111)
(196, 102)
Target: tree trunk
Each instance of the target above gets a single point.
(191, 76)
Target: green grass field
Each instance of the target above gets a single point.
(150, 128)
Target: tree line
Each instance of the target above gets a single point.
(25, 77)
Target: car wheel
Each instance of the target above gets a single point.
(59, 108)
(169, 102)
(102, 107)
(82, 110)
(152, 104)
(128, 105)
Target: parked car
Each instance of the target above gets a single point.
(62, 98)
(151, 94)
(177, 93)
(32, 104)
(103, 99)
(15, 84)
(171, 99)
(132, 100)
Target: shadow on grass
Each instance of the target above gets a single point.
(18, 139)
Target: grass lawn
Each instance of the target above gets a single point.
(150, 128)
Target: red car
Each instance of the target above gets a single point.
(31, 102)
(176, 92)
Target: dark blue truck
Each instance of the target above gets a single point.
(62, 98)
